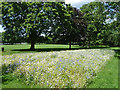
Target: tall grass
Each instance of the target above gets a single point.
(64, 69)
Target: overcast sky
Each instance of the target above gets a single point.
(74, 3)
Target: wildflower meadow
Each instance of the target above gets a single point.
(58, 69)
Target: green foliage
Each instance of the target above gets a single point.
(29, 20)
(11, 37)
(66, 23)
(94, 13)
(112, 36)
(99, 16)
(61, 25)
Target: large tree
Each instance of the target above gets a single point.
(60, 22)
(95, 15)
(31, 19)
(68, 24)
(103, 22)
(27, 18)
(112, 34)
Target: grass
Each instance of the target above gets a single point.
(24, 48)
(108, 77)
(105, 78)
(12, 82)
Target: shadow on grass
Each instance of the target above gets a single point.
(117, 53)
(46, 49)
(57, 49)
(98, 47)
(7, 78)
(93, 47)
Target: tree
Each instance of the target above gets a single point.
(112, 34)
(79, 26)
(61, 24)
(27, 18)
(67, 25)
(95, 15)
(0, 13)
(11, 37)
(104, 17)
(32, 19)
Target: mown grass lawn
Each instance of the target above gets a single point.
(24, 48)
(103, 79)
(107, 77)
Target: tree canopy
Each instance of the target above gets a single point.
(31, 19)
(99, 17)
(95, 22)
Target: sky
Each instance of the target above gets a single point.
(1, 29)
(74, 3)
(77, 3)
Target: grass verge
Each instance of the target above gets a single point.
(108, 77)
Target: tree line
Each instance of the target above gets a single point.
(56, 22)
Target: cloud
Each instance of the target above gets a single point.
(76, 1)
(1, 29)
(72, 1)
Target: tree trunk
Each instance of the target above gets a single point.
(32, 46)
(70, 45)
(89, 44)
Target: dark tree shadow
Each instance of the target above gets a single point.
(57, 49)
(117, 53)
(63, 49)
(46, 49)
(93, 47)
(98, 47)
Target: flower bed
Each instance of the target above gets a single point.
(73, 68)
